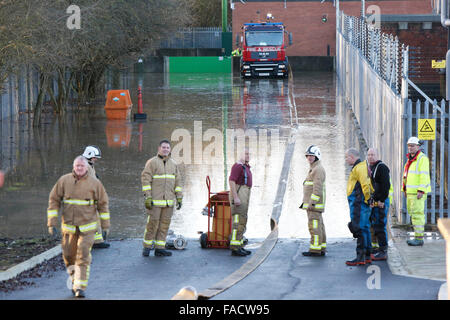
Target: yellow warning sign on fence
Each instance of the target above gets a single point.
(438, 64)
(427, 129)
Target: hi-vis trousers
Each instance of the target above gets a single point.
(158, 223)
(239, 217)
(416, 209)
(316, 228)
(76, 249)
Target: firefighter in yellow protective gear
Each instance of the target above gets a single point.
(161, 185)
(416, 185)
(92, 154)
(314, 202)
(79, 196)
(236, 53)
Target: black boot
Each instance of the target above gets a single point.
(101, 245)
(358, 261)
(238, 253)
(313, 254)
(380, 255)
(247, 252)
(162, 253)
(368, 257)
(79, 293)
(146, 252)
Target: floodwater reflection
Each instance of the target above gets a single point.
(207, 117)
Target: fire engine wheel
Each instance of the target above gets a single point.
(203, 240)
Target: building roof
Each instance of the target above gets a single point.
(419, 18)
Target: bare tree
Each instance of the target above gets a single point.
(35, 33)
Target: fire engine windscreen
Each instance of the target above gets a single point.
(263, 38)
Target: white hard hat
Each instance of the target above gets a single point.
(313, 151)
(91, 152)
(413, 140)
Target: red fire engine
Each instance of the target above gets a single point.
(264, 50)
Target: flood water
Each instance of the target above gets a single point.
(201, 114)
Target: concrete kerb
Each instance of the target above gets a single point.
(30, 263)
(398, 265)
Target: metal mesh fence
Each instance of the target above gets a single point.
(382, 51)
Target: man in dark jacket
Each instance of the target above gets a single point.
(379, 201)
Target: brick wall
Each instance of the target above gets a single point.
(304, 19)
(424, 45)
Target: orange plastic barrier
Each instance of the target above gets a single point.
(118, 104)
(118, 133)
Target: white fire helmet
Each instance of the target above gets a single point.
(413, 140)
(313, 151)
(91, 152)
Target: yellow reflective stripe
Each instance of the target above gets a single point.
(81, 282)
(146, 188)
(52, 213)
(236, 218)
(88, 227)
(69, 228)
(149, 242)
(177, 189)
(315, 197)
(315, 224)
(315, 245)
(104, 215)
(319, 206)
(305, 206)
(163, 202)
(324, 245)
(88, 270)
(417, 186)
(98, 236)
(308, 183)
(79, 202)
(160, 243)
(164, 176)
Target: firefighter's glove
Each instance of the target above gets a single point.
(179, 203)
(148, 203)
(105, 233)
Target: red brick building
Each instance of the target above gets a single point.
(427, 41)
(303, 18)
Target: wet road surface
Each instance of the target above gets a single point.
(285, 275)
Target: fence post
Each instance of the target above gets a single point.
(441, 161)
(406, 115)
(433, 163)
